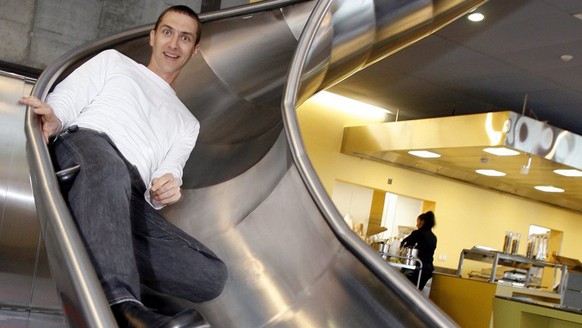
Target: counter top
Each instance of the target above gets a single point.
(518, 312)
(530, 301)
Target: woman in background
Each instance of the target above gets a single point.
(425, 241)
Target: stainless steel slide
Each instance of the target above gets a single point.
(27, 292)
(250, 193)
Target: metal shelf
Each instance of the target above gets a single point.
(496, 258)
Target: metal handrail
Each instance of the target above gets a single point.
(425, 309)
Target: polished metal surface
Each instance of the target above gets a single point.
(460, 141)
(311, 65)
(247, 94)
(81, 296)
(250, 192)
(397, 24)
(25, 284)
(22, 319)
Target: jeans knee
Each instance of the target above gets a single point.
(213, 286)
(221, 277)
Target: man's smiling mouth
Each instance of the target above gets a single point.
(173, 56)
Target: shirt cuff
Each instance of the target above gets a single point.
(153, 203)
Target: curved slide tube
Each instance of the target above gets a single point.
(250, 193)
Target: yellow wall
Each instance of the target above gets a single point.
(466, 215)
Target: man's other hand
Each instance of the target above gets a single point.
(165, 190)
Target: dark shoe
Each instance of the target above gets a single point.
(188, 318)
(134, 315)
(163, 303)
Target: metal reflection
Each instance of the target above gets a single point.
(547, 141)
(496, 136)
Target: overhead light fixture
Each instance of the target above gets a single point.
(475, 16)
(501, 151)
(572, 173)
(352, 107)
(525, 169)
(549, 189)
(424, 154)
(566, 58)
(491, 173)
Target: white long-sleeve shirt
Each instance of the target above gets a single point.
(136, 108)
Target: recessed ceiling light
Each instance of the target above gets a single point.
(549, 189)
(501, 151)
(569, 172)
(424, 154)
(566, 58)
(491, 173)
(475, 16)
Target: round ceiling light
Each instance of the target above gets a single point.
(475, 16)
(549, 189)
(491, 173)
(566, 58)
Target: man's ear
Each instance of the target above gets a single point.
(196, 49)
(152, 36)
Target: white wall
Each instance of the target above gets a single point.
(355, 200)
(399, 211)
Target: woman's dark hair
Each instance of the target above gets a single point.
(428, 219)
(186, 11)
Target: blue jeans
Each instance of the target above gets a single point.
(128, 241)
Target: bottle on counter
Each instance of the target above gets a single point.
(507, 242)
(515, 236)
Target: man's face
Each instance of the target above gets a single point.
(173, 44)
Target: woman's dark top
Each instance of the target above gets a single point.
(426, 243)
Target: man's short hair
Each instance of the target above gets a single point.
(182, 10)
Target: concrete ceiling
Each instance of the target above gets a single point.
(512, 58)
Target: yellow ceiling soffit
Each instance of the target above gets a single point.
(478, 130)
(460, 141)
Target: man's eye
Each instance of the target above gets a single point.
(167, 32)
(185, 38)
